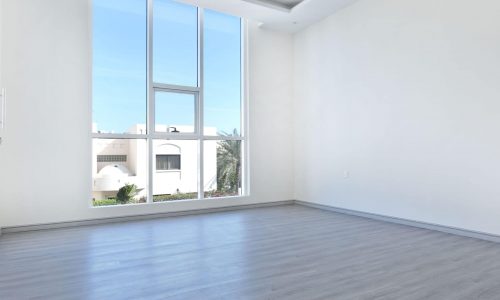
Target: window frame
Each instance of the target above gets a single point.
(198, 91)
(168, 156)
(196, 94)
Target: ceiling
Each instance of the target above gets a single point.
(284, 5)
(283, 15)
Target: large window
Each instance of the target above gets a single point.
(167, 103)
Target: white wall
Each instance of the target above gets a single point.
(402, 95)
(1, 82)
(1, 85)
(405, 96)
(45, 161)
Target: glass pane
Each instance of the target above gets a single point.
(174, 112)
(119, 66)
(119, 171)
(222, 66)
(175, 43)
(175, 176)
(223, 168)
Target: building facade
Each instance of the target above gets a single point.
(117, 162)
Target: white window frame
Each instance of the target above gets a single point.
(198, 134)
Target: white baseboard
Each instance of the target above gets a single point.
(418, 224)
(13, 229)
(451, 230)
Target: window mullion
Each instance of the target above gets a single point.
(201, 156)
(175, 88)
(245, 109)
(150, 97)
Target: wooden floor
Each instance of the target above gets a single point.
(284, 252)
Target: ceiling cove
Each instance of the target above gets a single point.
(281, 15)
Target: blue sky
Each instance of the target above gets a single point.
(119, 64)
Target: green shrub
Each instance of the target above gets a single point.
(104, 202)
(156, 198)
(126, 193)
(218, 193)
(179, 196)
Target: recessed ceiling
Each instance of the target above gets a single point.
(284, 5)
(283, 15)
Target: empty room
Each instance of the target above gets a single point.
(249, 149)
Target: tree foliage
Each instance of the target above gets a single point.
(126, 193)
(229, 165)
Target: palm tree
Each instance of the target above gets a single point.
(126, 193)
(229, 164)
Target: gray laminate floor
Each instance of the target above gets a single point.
(285, 252)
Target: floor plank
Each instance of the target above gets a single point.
(285, 252)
